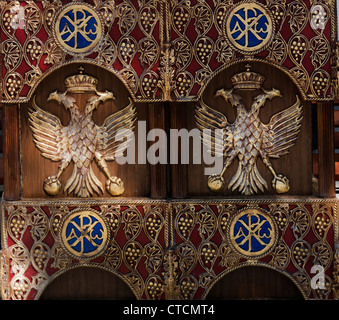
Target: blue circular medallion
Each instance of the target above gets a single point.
(78, 28)
(249, 27)
(252, 232)
(84, 234)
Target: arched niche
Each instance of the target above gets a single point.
(36, 168)
(87, 283)
(255, 283)
(296, 165)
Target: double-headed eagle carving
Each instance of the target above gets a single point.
(82, 141)
(248, 138)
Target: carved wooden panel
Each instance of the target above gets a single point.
(36, 168)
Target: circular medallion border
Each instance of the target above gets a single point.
(227, 27)
(85, 227)
(78, 7)
(261, 218)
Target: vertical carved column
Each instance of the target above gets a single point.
(11, 151)
(326, 149)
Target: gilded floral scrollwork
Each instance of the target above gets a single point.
(142, 37)
(37, 245)
(159, 260)
(196, 225)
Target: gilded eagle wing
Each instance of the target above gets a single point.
(209, 120)
(48, 133)
(282, 131)
(116, 132)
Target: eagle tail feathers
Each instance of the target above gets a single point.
(84, 183)
(248, 180)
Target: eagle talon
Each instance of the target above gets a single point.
(215, 183)
(281, 184)
(52, 185)
(115, 186)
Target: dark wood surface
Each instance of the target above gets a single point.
(326, 165)
(11, 152)
(178, 170)
(255, 283)
(157, 120)
(87, 284)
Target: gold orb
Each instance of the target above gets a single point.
(52, 185)
(215, 183)
(115, 186)
(281, 184)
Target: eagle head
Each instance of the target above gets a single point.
(226, 94)
(54, 96)
(62, 98)
(272, 93)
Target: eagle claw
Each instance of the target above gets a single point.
(115, 186)
(52, 185)
(215, 183)
(281, 184)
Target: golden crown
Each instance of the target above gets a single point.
(81, 83)
(247, 80)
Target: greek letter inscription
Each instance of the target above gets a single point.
(78, 28)
(84, 234)
(252, 232)
(249, 27)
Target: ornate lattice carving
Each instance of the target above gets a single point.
(166, 50)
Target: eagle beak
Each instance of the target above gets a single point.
(278, 94)
(51, 96)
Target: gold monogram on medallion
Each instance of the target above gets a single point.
(249, 27)
(252, 232)
(84, 234)
(78, 28)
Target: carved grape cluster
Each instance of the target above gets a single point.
(127, 50)
(40, 256)
(321, 224)
(7, 20)
(300, 254)
(183, 84)
(223, 224)
(187, 287)
(204, 50)
(133, 253)
(209, 254)
(13, 85)
(17, 225)
(153, 225)
(298, 48)
(184, 224)
(154, 288)
(148, 85)
(319, 84)
(180, 19)
(281, 221)
(20, 289)
(34, 50)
